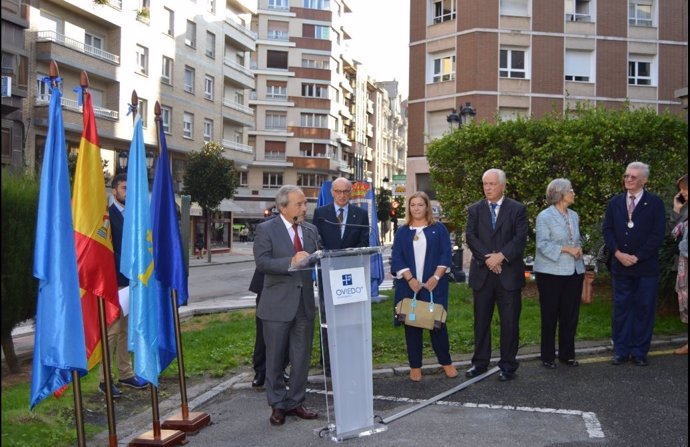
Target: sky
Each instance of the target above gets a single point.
(380, 31)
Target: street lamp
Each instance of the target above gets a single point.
(122, 159)
(463, 116)
(385, 182)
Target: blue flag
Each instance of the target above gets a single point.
(325, 195)
(59, 344)
(137, 264)
(167, 253)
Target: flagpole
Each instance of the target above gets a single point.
(184, 420)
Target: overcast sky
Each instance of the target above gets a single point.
(380, 31)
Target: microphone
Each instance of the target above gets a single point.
(304, 227)
(323, 219)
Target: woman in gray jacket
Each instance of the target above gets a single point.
(559, 269)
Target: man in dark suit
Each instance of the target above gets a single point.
(496, 234)
(634, 228)
(117, 332)
(354, 232)
(287, 306)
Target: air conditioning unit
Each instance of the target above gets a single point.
(6, 86)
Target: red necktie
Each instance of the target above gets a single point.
(296, 242)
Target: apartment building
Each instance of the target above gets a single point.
(511, 58)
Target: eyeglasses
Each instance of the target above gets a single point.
(571, 190)
(629, 177)
(342, 191)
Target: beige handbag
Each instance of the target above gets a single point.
(421, 314)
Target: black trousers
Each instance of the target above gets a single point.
(559, 300)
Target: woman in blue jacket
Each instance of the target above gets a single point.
(420, 259)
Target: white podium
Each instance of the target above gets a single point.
(347, 296)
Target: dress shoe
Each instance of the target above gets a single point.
(259, 379)
(640, 361)
(505, 376)
(135, 382)
(474, 372)
(302, 412)
(450, 371)
(548, 365)
(570, 362)
(113, 390)
(619, 359)
(277, 416)
(416, 374)
(683, 350)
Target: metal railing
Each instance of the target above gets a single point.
(238, 67)
(52, 36)
(71, 104)
(237, 106)
(238, 146)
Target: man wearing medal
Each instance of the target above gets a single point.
(633, 230)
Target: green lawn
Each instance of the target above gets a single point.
(222, 344)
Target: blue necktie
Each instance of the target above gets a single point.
(493, 215)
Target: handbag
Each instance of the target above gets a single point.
(421, 314)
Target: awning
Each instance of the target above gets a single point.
(194, 210)
(229, 205)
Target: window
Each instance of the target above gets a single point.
(314, 120)
(277, 59)
(208, 129)
(640, 13)
(578, 10)
(276, 120)
(444, 10)
(190, 34)
(276, 90)
(511, 114)
(142, 60)
(310, 180)
(42, 89)
(243, 178)
(208, 87)
(189, 79)
(443, 68)
(315, 61)
(274, 150)
(316, 31)
(639, 70)
(317, 4)
(512, 64)
(166, 119)
(210, 45)
(167, 70)
(170, 31)
(211, 6)
(315, 90)
(188, 125)
(278, 30)
(578, 65)
(278, 4)
(273, 180)
(94, 44)
(312, 150)
(143, 111)
(515, 8)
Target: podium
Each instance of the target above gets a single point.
(346, 288)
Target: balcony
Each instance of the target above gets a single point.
(235, 146)
(227, 102)
(240, 35)
(316, 163)
(73, 105)
(61, 39)
(237, 113)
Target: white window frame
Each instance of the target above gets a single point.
(314, 61)
(211, 6)
(170, 31)
(322, 32)
(243, 178)
(190, 34)
(189, 72)
(512, 113)
(142, 60)
(315, 120)
(276, 120)
(439, 14)
(208, 129)
(93, 41)
(517, 8)
(276, 92)
(634, 78)
(278, 4)
(209, 87)
(634, 7)
(310, 179)
(575, 63)
(272, 180)
(509, 71)
(143, 111)
(580, 10)
(210, 44)
(315, 90)
(438, 70)
(167, 70)
(188, 125)
(324, 5)
(166, 119)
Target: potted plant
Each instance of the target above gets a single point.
(143, 14)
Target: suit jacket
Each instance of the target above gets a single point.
(552, 234)
(256, 285)
(283, 290)
(330, 234)
(643, 240)
(509, 238)
(117, 221)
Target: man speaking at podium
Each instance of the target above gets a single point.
(287, 302)
(341, 225)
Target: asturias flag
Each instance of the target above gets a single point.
(137, 264)
(95, 259)
(167, 254)
(59, 346)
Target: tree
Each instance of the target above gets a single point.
(19, 287)
(210, 178)
(591, 150)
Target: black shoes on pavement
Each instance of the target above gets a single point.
(474, 372)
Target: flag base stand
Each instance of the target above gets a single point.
(165, 438)
(191, 424)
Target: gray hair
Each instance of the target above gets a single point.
(643, 168)
(282, 199)
(499, 172)
(557, 189)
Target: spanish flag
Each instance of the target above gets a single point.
(94, 247)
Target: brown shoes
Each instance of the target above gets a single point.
(450, 371)
(416, 374)
(682, 350)
(277, 416)
(302, 412)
